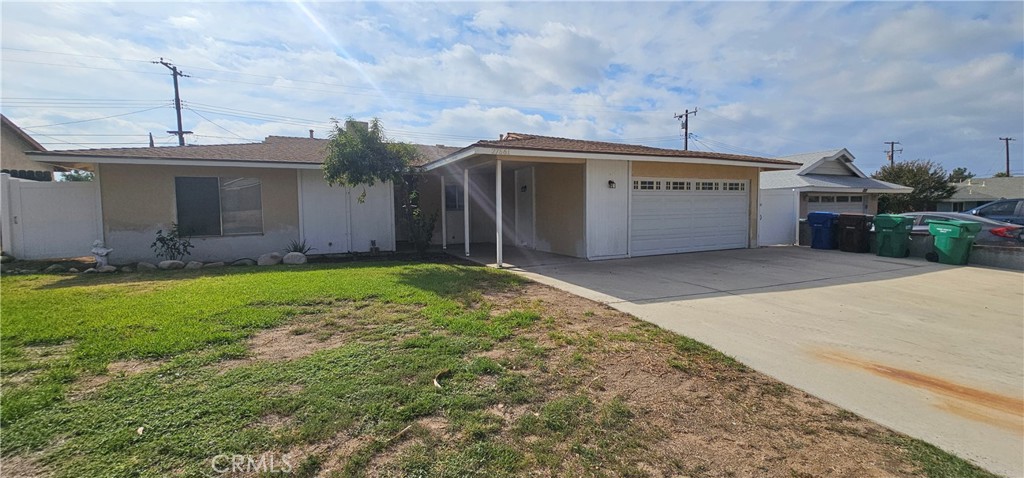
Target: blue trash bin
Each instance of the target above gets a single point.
(823, 230)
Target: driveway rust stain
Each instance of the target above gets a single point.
(977, 404)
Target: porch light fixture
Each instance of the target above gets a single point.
(611, 184)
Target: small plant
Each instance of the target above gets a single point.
(299, 246)
(171, 246)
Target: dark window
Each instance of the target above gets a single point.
(453, 198)
(219, 206)
(198, 201)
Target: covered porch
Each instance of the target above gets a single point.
(509, 212)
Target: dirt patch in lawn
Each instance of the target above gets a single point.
(323, 327)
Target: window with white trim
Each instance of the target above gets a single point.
(212, 206)
(645, 185)
(707, 186)
(453, 197)
(677, 185)
(734, 186)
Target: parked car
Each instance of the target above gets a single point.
(993, 233)
(1006, 210)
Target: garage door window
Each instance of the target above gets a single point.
(647, 185)
(677, 185)
(735, 186)
(219, 206)
(707, 186)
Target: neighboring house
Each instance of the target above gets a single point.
(14, 142)
(236, 200)
(826, 181)
(594, 200)
(977, 191)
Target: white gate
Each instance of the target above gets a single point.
(48, 220)
(778, 213)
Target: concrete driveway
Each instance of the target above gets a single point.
(933, 351)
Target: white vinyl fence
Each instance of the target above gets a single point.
(49, 220)
(778, 216)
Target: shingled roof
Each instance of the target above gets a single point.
(275, 149)
(551, 143)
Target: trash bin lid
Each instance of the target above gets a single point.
(892, 220)
(952, 228)
(821, 217)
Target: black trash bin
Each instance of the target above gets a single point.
(853, 232)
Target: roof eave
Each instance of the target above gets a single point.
(56, 157)
(476, 150)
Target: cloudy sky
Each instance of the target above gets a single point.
(944, 79)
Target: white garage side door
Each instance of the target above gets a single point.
(325, 213)
(688, 215)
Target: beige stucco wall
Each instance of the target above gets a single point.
(12, 153)
(560, 205)
(138, 200)
(706, 171)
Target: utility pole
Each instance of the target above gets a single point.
(892, 151)
(175, 73)
(686, 126)
(1007, 141)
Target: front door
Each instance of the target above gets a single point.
(524, 208)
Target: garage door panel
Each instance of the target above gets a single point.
(667, 222)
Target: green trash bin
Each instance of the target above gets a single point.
(953, 239)
(892, 234)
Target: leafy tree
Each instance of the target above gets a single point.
(1001, 174)
(77, 175)
(960, 175)
(361, 154)
(928, 179)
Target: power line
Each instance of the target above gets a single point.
(93, 119)
(215, 124)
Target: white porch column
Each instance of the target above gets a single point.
(497, 211)
(444, 217)
(465, 207)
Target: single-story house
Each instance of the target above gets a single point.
(593, 199)
(586, 199)
(825, 181)
(14, 142)
(236, 200)
(977, 191)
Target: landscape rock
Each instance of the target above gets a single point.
(91, 270)
(145, 266)
(269, 259)
(194, 265)
(55, 268)
(170, 265)
(244, 262)
(5, 258)
(73, 270)
(106, 269)
(127, 269)
(213, 264)
(294, 258)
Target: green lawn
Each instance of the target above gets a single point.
(398, 368)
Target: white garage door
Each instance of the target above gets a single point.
(687, 215)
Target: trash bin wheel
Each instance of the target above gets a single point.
(931, 257)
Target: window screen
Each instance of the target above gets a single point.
(219, 206)
(241, 206)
